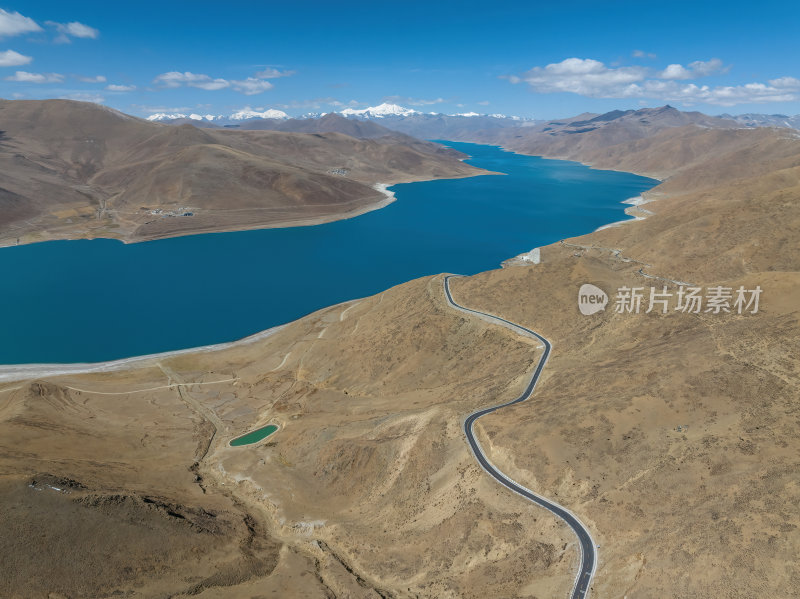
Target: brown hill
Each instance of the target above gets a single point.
(72, 169)
(686, 150)
(689, 158)
(574, 137)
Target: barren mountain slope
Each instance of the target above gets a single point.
(369, 464)
(72, 169)
(572, 138)
(691, 158)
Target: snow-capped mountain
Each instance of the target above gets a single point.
(424, 125)
(380, 111)
(246, 113)
(434, 125)
(765, 120)
(164, 116)
(240, 115)
(394, 110)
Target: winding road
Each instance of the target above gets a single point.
(588, 548)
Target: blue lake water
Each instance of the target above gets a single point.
(86, 301)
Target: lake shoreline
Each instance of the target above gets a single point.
(10, 373)
(479, 221)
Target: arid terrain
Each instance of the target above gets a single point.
(672, 436)
(75, 169)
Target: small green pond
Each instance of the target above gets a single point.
(254, 436)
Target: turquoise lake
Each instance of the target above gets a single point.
(89, 301)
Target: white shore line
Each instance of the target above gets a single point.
(384, 189)
(17, 372)
(635, 206)
(534, 256)
(23, 372)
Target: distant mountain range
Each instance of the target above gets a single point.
(391, 117)
(765, 120)
(653, 140)
(373, 112)
(239, 115)
(378, 121)
(435, 125)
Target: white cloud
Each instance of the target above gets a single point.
(211, 84)
(709, 67)
(248, 87)
(25, 77)
(120, 88)
(175, 79)
(76, 29)
(272, 73)
(251, 86)
(592, 78)
(721, 95)
(9, 58)
(696, 69)
(675, 71)
(412, 101)
(643, 54)
(484, 103)
(422, 102)
(786, 83)
(73, 29)
(84, 97)
(97, 79)
(586, 77)
(13, 23)
(315, 104)
(156, 109)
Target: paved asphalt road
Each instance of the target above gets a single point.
(588, 548)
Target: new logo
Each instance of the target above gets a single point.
(591, 299)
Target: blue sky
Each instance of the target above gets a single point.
(532, 59)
